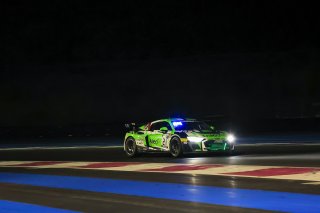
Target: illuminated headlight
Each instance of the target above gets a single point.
(195, 139)
(230, 138)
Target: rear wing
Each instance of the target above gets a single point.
(136, 127)
(130, 127)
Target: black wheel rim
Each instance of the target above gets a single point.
(174, 148)
(130, 147)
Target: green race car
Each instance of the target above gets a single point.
(177, 136)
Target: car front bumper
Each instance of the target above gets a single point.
(207, 146)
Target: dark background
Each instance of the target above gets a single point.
(248, 66)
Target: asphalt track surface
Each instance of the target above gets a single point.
(24, 189)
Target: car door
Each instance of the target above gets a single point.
(158, 139)
(155, 136)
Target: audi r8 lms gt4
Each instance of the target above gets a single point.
(176, 136)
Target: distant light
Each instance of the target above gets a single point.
(177, 123)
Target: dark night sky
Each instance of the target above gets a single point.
(85, 63)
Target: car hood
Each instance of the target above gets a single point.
(209, 136)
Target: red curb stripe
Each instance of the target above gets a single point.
(183, 168)
(44, 163)
(106, 165)
(274, 172)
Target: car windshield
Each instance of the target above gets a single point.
(191, 126)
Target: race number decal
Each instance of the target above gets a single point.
(165, 140)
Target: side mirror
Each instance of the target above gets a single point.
(212, 127)
(164, 129)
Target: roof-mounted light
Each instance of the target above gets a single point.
(177, 123)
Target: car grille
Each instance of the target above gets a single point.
(211, 142)
(208, 143)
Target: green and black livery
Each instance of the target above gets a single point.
(177, 136)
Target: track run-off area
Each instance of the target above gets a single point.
(257, 178)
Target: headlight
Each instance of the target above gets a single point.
(195, 139)
(230, 138)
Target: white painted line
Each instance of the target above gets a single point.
(308, 176)
(67, 165)
(69, 147)
(133, 168)
(225, 169)
(312, 183)
(112, 147)
(283, 143)
(12, 163)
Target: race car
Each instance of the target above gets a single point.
(176, 136)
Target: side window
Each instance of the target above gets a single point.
(158, 125)
(155, 126)
(166, 124)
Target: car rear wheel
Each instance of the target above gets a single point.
(130, 147)
(176, 147)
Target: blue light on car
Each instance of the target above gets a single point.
(177, 123)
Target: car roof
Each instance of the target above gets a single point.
(174, 119)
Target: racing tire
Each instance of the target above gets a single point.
(176, 147)
(130, 147)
